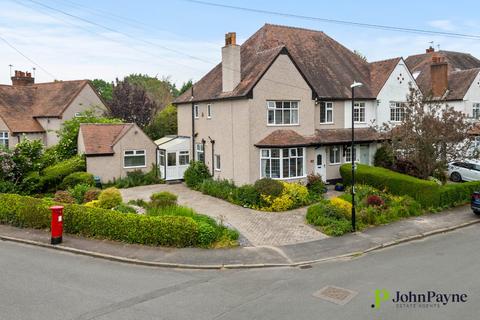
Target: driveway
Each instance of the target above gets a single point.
(259, 228)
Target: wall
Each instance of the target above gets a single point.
(472, 96)
(338, 116)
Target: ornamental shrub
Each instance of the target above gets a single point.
(195, 174)
(297, 192)
(75, 178)
(269, 187)
(8, 187)
(384, 157)
(138, 178)
(124, 208)
(163, 199)
(329, 218)
(223, 189)
(91, 194)
(109, 198)
(374, 200)
(344, 206)
(78, 192)
(315, 184)
(63, 197)
(247, 196)
(53, 175)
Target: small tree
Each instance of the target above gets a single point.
(430, 135)
(164, 123)
(131, 103)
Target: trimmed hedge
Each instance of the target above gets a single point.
(75, 178)
(53, 175)
(28, 212)
(428, 193)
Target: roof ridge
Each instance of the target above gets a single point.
(292, 27)
(390, 59)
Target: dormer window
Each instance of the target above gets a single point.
(282, 112)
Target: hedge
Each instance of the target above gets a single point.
(53, 175)
(28, 212)
(428, 193)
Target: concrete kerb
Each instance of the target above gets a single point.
(236, 266)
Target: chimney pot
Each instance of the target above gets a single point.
(430, 50)
(22, 78)
(231, 39)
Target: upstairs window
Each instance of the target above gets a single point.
(4, 139)
(282, 112)
(134, 159)
(476, 111)
(326, 112)
(397, 111)
(209, 111)
(196, 111)
(359, 112)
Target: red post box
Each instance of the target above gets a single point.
(57, 224)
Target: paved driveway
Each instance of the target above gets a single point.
(259, 228)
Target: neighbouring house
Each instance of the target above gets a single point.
(37, 110)
(452, 78)
(279, 106)
(113, 150)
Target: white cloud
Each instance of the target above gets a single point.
(445, 25)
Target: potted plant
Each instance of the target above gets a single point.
(339, 187)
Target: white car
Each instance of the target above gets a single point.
(467, 170)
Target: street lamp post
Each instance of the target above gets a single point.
(352, 152)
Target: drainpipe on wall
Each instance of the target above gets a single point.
(193, 127)
(204, 151)
(213, 155)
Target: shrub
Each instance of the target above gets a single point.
(269, 187)
(329, 218)
(195, 174)
(78, 192)
(63, 197)
(123, 208)
(139, 203)
(315, 183)
(223, 189)
(8, 187)
(32, 183)
(297, 192)
(206, 234)
(293, 195)
(109, 198)
(247, 196)
(92, 204)
(163, 199)
(384, 157)
(138, 178)
(344, 206)
(75, 178)
(374, 200)
(91, 194)
(53, 175)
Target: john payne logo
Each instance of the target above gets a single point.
(422, 300)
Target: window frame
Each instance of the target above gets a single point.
(135, 155)
(181, 155)
(5, 139)
(360, 106)
(398, 109)
(476, 110)
(267, 154)
(199, 151)
(218, 162)
(272, 106)
(328, 106)
(338, 158)
(209, 111)
(196, 111)
(356, 153)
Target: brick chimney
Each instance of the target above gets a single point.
(430, 50)
(231, 63)
(439, 75)
(22, 78)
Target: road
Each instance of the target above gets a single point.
(38, 283)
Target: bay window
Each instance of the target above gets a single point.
(134, 159)
(397, 111)
(4, 139)
(282, 112)
(282, 163)
(326, 112)
(359, 112)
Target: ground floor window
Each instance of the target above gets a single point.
(348, 154)
(184, 158)
(282, 163)
(4, 139)
(161, 160)
(199, 149)
(134, 159)
(334, 153)
(218, 165)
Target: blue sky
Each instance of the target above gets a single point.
(182, 40)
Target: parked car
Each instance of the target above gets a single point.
(475, 202)
(468, 170)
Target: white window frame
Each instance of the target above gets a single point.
(4, 139)
(337, 158)
(135, 155)
(183, 154)
(397, 111)
(218, 163)
(266, 154)
(476, 110)
(328, 108)
(209, 111)
(199, 149)
(360, 106)
(356, 153)
(196, 111)
(272, 107)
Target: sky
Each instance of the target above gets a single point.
(182, 40)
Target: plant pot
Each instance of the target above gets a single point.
(339, 188)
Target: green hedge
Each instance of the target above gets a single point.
(428, 193)
(28, 212)
(53, 175)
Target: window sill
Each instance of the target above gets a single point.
(334, 164)
(134, 167)
(283, 125)
(291, 178)
(327, 123)
(218, 170)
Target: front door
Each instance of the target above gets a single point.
(364, 154)
(320, 163)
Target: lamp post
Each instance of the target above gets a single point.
(352, 151)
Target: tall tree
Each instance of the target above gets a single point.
(164, 123)
(430, 135)
(186, 86)
(103, 88)
(131, 103)
(161, 91)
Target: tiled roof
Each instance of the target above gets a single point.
(458, 82)
(19, 105)
(99, 138)
(328, 66)
(289, 138)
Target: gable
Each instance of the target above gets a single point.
(86, 99)
(473, 92)
(397, 85)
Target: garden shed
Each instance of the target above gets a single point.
(173, 156)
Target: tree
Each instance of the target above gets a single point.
(185, 87)
(430, 135)
(131, 103)
(164, 123)
(103, 88)
(161, 91)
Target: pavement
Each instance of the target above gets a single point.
(39, 283)
(255, 257)
(257, 228)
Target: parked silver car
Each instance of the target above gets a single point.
(467, 170)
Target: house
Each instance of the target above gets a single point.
(37, 111)
(279, 106)
(113, 150)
